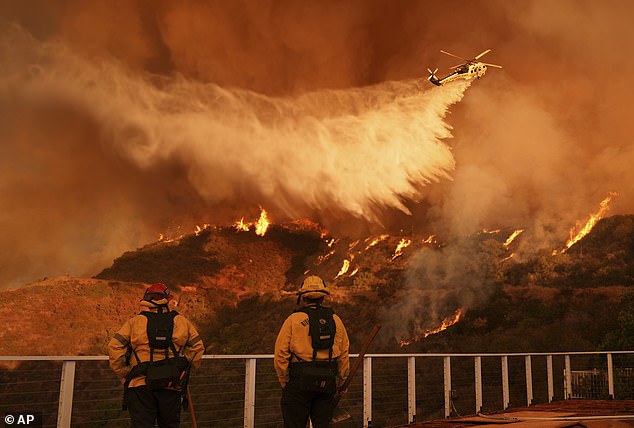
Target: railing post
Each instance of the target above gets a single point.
(447, 385)
(610, 377)
(505, 382)
(478, 384)
(549, 370)
(411, 389)
(367, 392)
(567, 378)
(529, 379)
(66, 387)
(249, 393)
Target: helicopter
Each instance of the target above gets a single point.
(468, 70)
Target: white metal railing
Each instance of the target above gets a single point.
(473, 381)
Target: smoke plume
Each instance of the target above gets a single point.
(355, 151)
(120, 119)
(437, 284)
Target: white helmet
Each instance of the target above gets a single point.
(313, 287)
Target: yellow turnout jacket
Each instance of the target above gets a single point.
(186, 340)
(293, 338)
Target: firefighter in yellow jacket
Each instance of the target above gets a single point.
(152, 355)
(311, 358)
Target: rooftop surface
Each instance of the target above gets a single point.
(560, 414)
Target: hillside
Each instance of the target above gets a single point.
(238, 287)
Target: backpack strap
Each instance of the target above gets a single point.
(172, 315)
(135, 354)
(311, 312)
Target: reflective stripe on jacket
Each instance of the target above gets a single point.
(294, 338)
(134, 333)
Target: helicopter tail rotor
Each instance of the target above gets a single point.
(432, 77)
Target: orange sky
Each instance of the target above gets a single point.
(536, 145)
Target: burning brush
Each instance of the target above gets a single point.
(444, 325)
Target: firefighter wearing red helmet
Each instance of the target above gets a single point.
(152, 355)
(311, 358)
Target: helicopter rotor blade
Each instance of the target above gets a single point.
(483, 54)
(456, 66)
(455, 56)
(492, 65)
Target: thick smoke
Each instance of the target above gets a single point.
(437, 284)
(354, 151)
(536, 145)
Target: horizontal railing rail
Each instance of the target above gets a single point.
(394, 389)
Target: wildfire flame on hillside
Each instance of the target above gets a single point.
(261, 225)
(344, 268)
(577, 233)
(404, 243)
(512, 237)
(509, 257)
(198, 230)
(171, 236)
(241, 226)
(490, 231)
(431, 239)
(325, 257)
(446, 323)
(375, 241)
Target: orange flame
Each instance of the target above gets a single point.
(344, 268)
(490, 231)
(404, 243)
(354, 271)
(375, 241)
(166, 239)
(446, 323)
(431, 239)
(198, 230)
(321, 259)
(262, 224)
(512, 237)
(507, 258)
(241, 226)
(576, 233)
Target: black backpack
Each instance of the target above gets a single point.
(170, 371)
(322, 328)
(160, 326)
(318, 376)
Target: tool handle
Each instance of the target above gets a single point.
(191, 408)
(359, 360)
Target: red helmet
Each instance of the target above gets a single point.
(157, 292)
